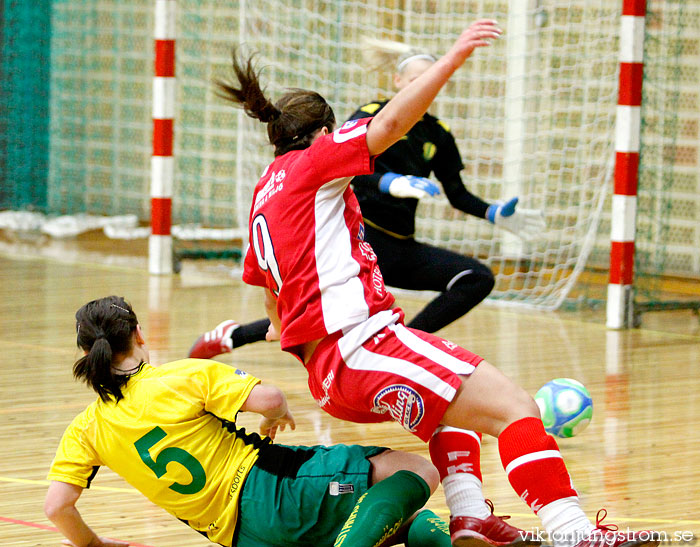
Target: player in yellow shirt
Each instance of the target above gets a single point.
(170, 431)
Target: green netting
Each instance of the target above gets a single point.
(25, 33)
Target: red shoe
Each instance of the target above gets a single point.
(214, 342)
(605, 535)
(493, 530)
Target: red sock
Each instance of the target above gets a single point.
(455, 450)
(534, 465)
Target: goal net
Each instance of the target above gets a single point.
(533, 115)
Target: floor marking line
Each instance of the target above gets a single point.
(52, 529)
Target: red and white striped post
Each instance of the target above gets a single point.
(160, 245)
(627, 141)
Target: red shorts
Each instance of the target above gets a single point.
(381, 371)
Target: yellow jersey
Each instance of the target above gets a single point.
(173, 438)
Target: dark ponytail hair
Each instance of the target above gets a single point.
(291, 122)
(105, 330)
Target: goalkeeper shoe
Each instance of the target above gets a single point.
(214, 342)
(488, 532)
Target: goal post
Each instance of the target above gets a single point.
(519, 22)
(160, 243)
(620, 299)
(643, 125)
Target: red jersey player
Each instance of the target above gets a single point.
(327, 302)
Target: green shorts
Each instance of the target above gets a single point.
(298, 495)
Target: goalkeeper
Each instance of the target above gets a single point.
(389, 198)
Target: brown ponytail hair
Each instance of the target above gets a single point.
(291, 122)
(105, 330)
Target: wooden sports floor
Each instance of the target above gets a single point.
(639, 458)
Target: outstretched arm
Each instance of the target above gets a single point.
(408, 106)
(59, 507)
(461, 198)
(527, 224)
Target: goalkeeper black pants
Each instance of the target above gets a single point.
(462, 281)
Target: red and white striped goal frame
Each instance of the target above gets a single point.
(627, 144)
(160, 246)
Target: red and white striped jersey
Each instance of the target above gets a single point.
(307, 238)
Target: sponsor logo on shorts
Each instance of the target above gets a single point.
(328, 381)
(403, 403)
(326, 384)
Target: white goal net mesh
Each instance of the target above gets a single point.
(533, 114)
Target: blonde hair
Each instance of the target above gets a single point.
(390, 55)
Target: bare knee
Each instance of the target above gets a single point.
(518, 404)
(428, 472)
(488, 401)
(522, 405)
(389, 462)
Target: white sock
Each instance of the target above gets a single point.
(464, 496)
(565, 522)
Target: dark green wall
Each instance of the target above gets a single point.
(25, 37)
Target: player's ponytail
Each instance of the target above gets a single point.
(105, 330)
(291, 122)
(249, 94)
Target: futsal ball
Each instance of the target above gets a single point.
(566, 407)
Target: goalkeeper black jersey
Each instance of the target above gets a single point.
(429, 147)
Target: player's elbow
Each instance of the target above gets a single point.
(266, 400)
(275, 401)
(60, 500)
(53, 508)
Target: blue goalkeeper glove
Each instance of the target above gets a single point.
(527, 224)
(407, 186)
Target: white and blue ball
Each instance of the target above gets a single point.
(566, 407)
